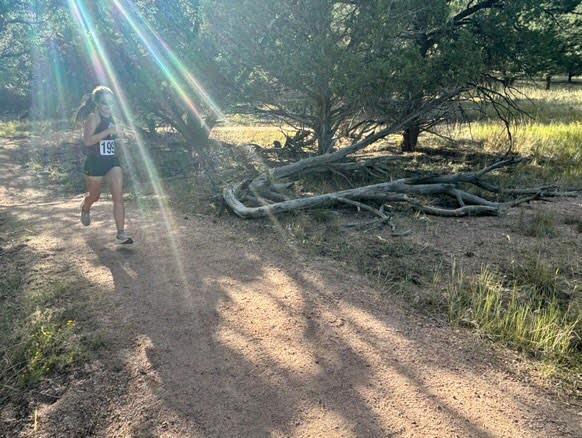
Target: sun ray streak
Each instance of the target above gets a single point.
(165, 58)
(105, 72)
(57, 79)
(82, 16)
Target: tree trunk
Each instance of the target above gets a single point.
(323, 131)
(548, 82)
(570, 76)
(196, 133)
(410, 138)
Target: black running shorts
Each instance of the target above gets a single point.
(99, 166)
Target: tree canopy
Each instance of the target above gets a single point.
(336, 70)
(330, 67)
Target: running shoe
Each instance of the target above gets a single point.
(123, 239)
(85, 216)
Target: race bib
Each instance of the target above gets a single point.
(107, 147)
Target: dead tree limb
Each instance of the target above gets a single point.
(266, 199)
(366, 207)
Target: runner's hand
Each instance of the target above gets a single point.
(129, 134)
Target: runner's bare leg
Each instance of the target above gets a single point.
(94, 187)
(114, 180)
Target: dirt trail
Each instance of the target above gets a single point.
(213, 333)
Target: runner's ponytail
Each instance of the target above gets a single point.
(86, 108)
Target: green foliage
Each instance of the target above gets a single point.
(13, 129)
(524, 37)
(571, 39)
(14, 57)
(322, 64)
(36, 339)
(284, 57)
(542, 225)
(540, 278)
(49, 345)
(37, 57)
(540, 327)
(38, 335)
(162, 63)
(319, 65)
(312, 60)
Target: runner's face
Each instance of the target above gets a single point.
(105, 105)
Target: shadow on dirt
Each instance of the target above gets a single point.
(239, 343)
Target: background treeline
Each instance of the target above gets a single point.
(332, 69)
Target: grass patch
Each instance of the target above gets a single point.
(511, 314)
(62, 170)
(554, 149)
(392, 264)
(541, 225)
(261, 135)
(14, 129)
(55, 163)
(541, 279)
(192, 196)
(38, 331)
(49, 343)
(576, 221)
(556, 141)
(559, 104)
(551, 136)
(38, 338)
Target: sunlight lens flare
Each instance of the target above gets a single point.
(165, 58)
(58, 79)
(105, 72)
(84, 24)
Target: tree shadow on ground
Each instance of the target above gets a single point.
(245, 344)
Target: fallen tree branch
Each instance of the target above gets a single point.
(469, 210)
(269, 202)
(546, 191)
(364, 207)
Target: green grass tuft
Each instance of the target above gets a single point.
(540, 327)
(538, 278)
(48, 344)
(542, 225)
(38, 335)
(15, 129)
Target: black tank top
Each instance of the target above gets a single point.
(94, 149)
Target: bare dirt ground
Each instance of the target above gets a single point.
(214, 331)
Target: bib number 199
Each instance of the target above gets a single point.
(107, 147)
